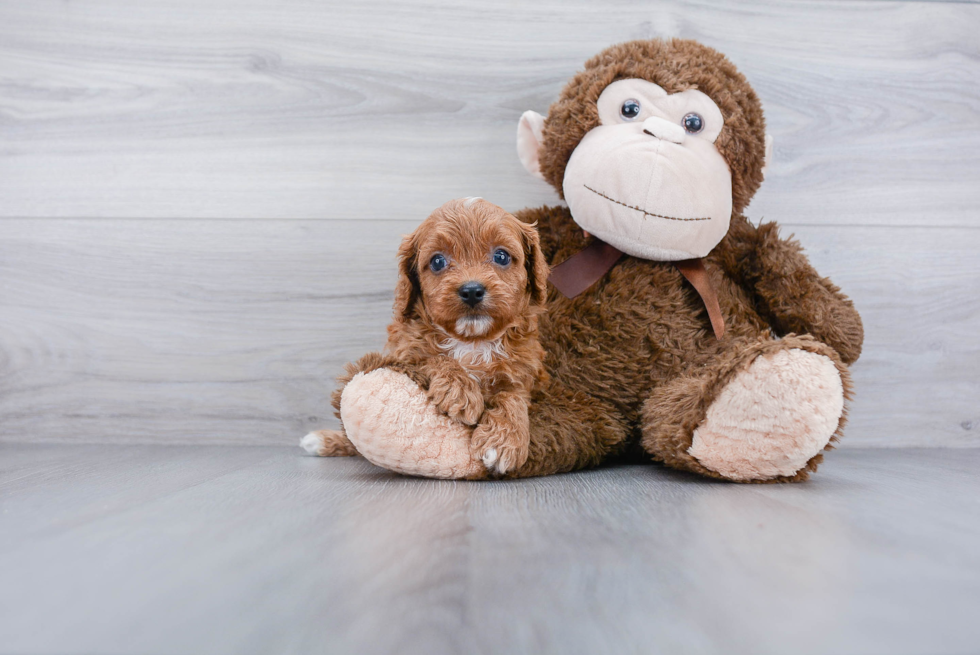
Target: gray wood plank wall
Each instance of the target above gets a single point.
(200, 202)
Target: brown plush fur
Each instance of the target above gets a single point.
(638, 343)
(633, 360)
(490, 392)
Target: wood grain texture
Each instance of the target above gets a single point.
(225, 331)
(213, 331)
(133, 550)
(249, 109)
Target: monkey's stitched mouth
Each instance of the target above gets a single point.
(643, 211)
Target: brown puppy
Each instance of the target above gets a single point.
(472, 284)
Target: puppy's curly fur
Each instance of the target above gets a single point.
(480, 362)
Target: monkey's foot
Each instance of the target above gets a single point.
(391, 422)
(772, 418)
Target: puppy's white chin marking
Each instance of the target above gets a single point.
(473, 326)
(473, 352)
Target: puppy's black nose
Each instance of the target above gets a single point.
(472, 293)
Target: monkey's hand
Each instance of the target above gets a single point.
(453, 391)
(790, 293)
(503, 437)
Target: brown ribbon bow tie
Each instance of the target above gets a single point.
(584, 268)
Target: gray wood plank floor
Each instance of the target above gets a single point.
(155, 549)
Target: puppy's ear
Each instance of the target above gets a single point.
(408, 291)
(537, 267)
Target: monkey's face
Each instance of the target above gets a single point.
(648, 179)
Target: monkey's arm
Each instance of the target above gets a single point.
(790, 292)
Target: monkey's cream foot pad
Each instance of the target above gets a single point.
(772, 418)
(392, 424)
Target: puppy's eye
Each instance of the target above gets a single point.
(437, 263)
(693, 123)
(501, 257)
(630, 109)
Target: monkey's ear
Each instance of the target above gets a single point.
(530, 136)
(768, 156)
(537, 267)
(408, 291)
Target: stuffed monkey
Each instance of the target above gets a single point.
(674, 326)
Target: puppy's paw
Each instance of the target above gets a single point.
(458, 397)
(502, 448)
(328, 443)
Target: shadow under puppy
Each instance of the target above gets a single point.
(471, 286)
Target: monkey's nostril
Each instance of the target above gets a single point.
(472, 293)
(663, 129)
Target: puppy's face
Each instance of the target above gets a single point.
(472, 269)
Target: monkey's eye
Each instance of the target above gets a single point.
(693, 123)
(630, 109)
(501, 257)
(437, 263)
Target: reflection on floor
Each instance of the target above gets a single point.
(147, 549)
